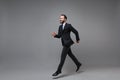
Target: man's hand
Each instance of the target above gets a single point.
(78, 41)
(54, 34)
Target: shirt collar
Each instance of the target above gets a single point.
(64, 24)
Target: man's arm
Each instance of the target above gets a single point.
(75, 32)
(57, 35)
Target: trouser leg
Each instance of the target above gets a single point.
(71, 55)
(63, 57)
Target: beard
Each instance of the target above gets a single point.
(61, 22)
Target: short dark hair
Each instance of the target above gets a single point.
(64, 16)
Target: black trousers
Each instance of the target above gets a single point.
(65, 51)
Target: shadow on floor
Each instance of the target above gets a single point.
(66, 75)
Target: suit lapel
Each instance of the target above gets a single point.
(61, 28)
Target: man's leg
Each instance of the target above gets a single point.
(78, 64)
(63, 57)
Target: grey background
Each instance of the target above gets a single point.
(26, 27)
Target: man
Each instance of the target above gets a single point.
(64, 33)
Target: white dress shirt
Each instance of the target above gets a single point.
(63, 25)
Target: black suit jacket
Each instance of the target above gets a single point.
(64, 34)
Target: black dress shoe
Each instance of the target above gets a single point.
(56, 73)
(78, 66)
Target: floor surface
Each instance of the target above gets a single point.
(86, 74)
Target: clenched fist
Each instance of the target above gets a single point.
(54, 34)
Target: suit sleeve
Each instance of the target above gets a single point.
(75, 32)
(59, 34)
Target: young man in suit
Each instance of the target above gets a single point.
(64, 33)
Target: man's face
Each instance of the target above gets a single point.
(62, 19)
